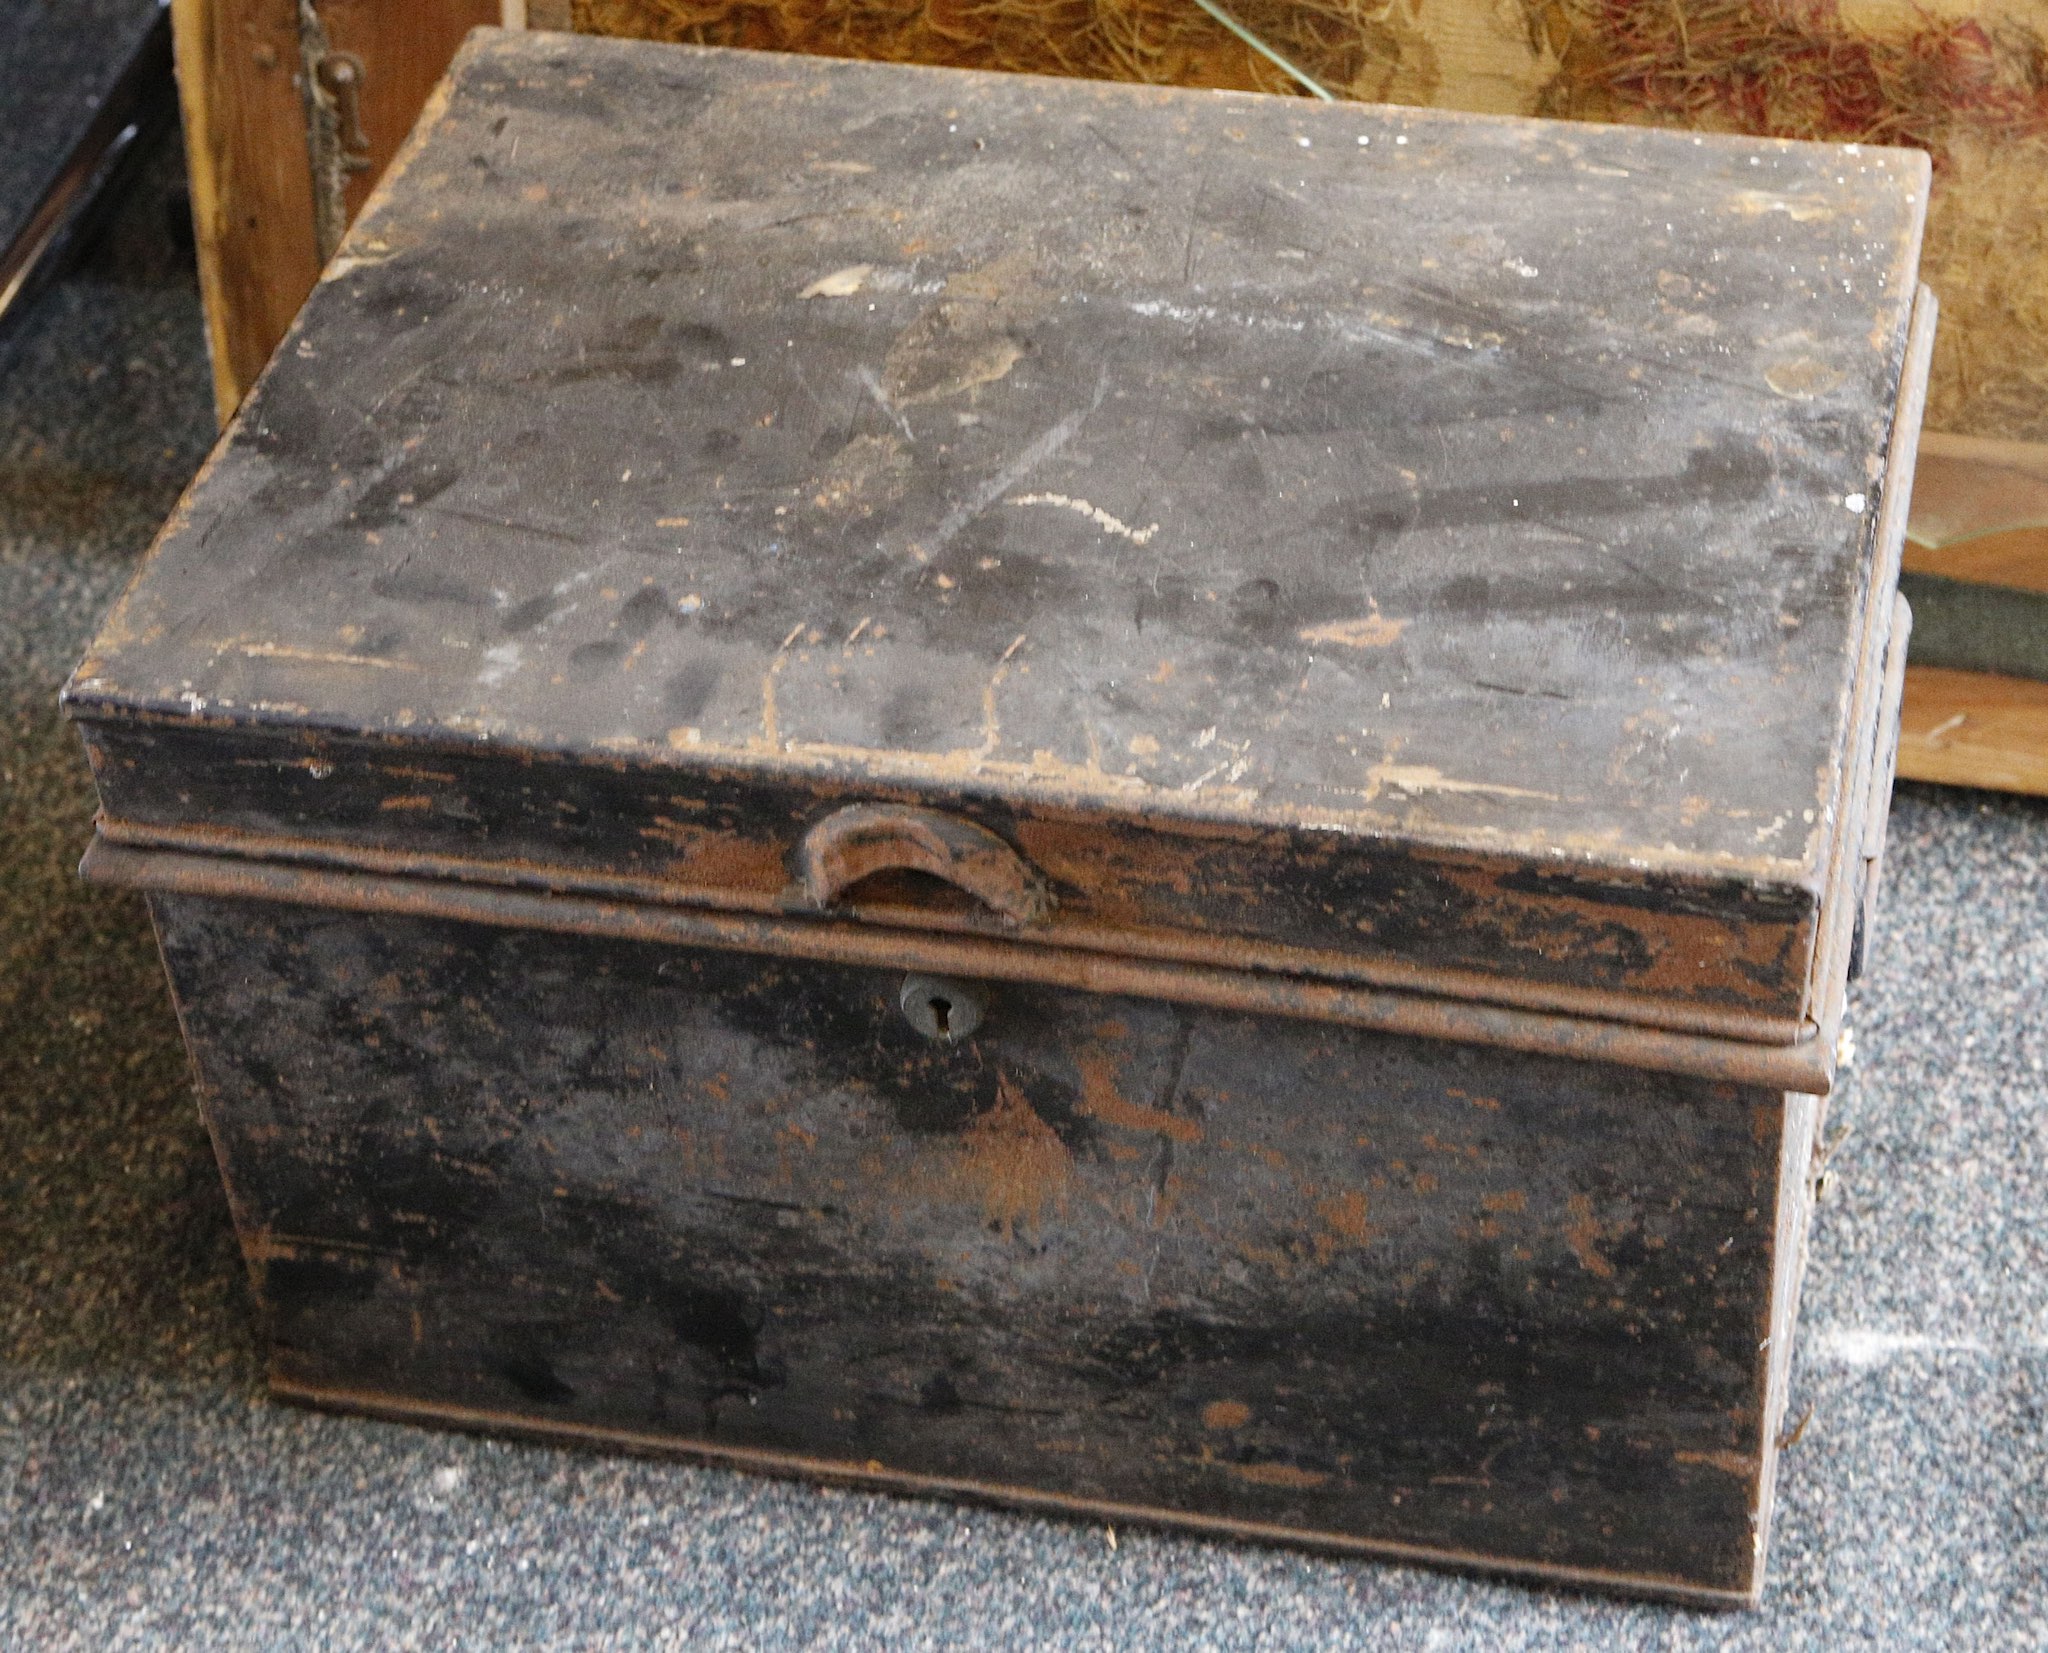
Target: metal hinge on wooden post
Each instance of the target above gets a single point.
(336, 144)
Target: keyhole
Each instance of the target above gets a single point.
(943, 1010)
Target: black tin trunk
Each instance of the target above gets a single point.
(918, 778)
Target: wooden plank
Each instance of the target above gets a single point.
(1980, 511)
(252, 190)
(2018, 559)
(1972, 729)
(405, 48)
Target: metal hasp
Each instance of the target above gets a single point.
(1136, 801)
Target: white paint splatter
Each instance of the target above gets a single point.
(1209, 312)
(840, 283)
(1094, 513)
(1420, 777)
(1034, 454)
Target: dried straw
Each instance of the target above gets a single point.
(1973, 91)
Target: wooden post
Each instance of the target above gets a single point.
(242, 84)
(252, 190)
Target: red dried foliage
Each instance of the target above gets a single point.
(1794, 69)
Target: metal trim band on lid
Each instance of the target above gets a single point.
(1807, 1066)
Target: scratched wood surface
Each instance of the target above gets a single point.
(1495, 1309)
(1390, 477)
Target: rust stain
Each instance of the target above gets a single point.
(1272, 1158)
(715, 858)
(1582, 1234)
(1226, 1414)
(416, 800)
(1345, 1217)
(771, 723)
(1514, 1200)
(1368, 631)
(1754, 203)
(1101, 1099)
(1697, 957)
(320, 657)
(1009, 276)
(1739, 1464)
(947, 352)
(1271, 1257)
(867, 475)
(1013, 1163)
(1436, 1145)
(1278, 1475)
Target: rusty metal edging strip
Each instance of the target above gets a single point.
(794, 1466)
(1873, 678)
(1876, 821)
(1791, 1223)
(1162, 947)
(1803, 1067)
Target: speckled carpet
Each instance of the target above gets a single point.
(150, 1496)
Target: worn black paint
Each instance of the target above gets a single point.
(1519, 390)
(1433, 562)
(508, 1107)
(1330, 892)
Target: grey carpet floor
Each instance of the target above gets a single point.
(150, 1496)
